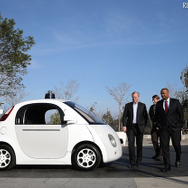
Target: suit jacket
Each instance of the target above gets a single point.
(152, 117)
(174, 117)
(152, 112)
(142, 116)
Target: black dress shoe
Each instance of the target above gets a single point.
(159, 158)
(166, 169)
(154, 157)
(177, 164)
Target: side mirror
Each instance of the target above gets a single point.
(69, 119)
(71, 122)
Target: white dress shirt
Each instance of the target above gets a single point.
(135, 107)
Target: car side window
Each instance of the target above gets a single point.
(39, 113)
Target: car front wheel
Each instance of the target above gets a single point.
(86, 157)
(7, 157)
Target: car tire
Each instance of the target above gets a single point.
(7, 157)
(86, 157)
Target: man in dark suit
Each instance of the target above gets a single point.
(134, 121)
(169, 119)
(155, 130)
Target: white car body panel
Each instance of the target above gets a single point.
(36, 142)
(53, 144)
(100, 134)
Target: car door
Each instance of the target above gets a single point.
(37, 137)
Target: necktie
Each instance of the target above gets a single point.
(166, 106)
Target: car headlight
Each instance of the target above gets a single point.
(112, 140)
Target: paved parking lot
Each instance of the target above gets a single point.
(117, 169)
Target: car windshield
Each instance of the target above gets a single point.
(86, 114)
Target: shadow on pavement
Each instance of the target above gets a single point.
(117, 169)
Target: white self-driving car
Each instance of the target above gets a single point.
(27, 136)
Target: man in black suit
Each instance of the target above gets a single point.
(155, 130)
(134, 121)
(169, 119)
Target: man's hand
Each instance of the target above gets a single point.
(124, 129)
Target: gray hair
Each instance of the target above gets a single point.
(136, 92)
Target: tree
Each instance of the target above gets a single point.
(118, 93)
(13, 99)
(92, 108)
(13, 57)
(172, 89)
(183, 95)
(109, 120)
(67, 91)
(184, 77)
(183, 98)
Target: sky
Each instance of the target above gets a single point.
(102, 43)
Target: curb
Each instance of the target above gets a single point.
(146, 139)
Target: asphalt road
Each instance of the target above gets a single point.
(118, 169)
